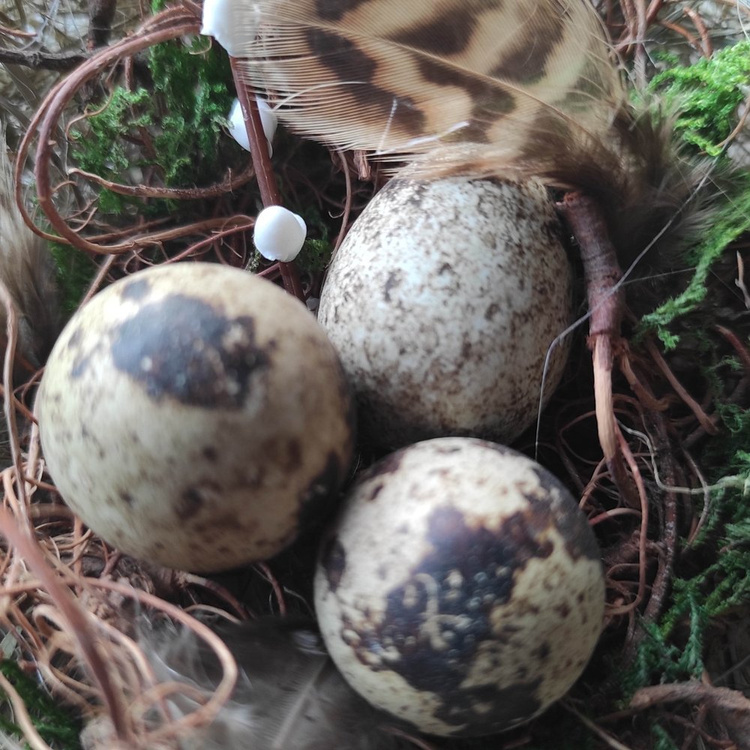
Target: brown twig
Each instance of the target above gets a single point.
(269, 191)
(229, 184)
(741, 349)
(605, 298)
(170, 24)
(347, 204)
(643, 535)
(707, 48)
(77, 621)
(265, 571)
(663, 578)
(228, 664)
(703, 418)
(101, 15)
(56, 61)
(682, 31)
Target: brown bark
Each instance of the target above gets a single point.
(602, 274)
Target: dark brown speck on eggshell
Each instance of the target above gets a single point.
(443, 302)
(453, 596)
(201, 357)
(209, 396)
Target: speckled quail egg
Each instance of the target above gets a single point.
(461, 589)
(195, 416)
(443, 301)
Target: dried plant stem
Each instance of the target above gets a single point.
(269, 190)
(643, 535)
(742, 351)
(705, 421)
(22, 716)
(665, 562)
(171, 24)
(220, 591)
(228, 185)
(608, 739)
(602, 274)
(208, 711)
(77, 620)
(58, 61)
(348, 203)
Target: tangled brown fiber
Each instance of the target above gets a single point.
(71, 604)
(45, 127)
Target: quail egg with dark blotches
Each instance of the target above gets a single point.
(443, 302)
(461, 589)
(195, 416)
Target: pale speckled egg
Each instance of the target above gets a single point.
(195, 416)
(461, 589)
(443, 301)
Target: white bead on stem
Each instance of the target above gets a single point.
(238, 130)
(279, 234)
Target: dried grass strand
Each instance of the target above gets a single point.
(76, 619)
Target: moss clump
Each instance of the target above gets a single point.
(75, 271)
(56, 727)
(195, 97)
(707, 96)
(711, 580)
(170, 126)
(730, 221)
(316, 252)
(102, 151)
(177, 119)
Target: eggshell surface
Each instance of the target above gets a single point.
(461, 589)
(195, 416)
(443, 301)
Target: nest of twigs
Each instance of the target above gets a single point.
(71, 605)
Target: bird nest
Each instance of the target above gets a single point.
(124, 153)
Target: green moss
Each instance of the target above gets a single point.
(102, 151)
(731, 220)
(709, 94)
(194, 103)
(674, 649)
(661, 738)
(75, 271)
(183, 112)
(54, 724)
(170, 126)
(316, 252)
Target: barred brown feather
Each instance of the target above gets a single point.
(479, 88)
(397, 76)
